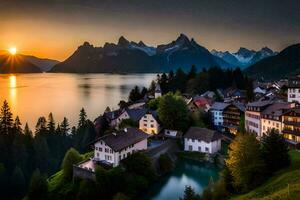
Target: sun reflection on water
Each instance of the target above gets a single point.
(13, 91)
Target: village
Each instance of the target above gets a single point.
(136, 127)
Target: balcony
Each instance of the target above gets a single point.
(292, 123)
(289, 131)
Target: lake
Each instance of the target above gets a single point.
(33, 95)
(187, 172)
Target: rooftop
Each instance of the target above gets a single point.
(203, 134)
(219, 106)
(123, 138)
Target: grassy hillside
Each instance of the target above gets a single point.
(284, 185)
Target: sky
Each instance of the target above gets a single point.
(55, 28)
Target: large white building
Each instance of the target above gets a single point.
(114, 147)
(253, 116)
(202, 140)
(294, 89)
(272, 117)
(149, 123)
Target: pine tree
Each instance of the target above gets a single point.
(189, 194)
(65, 126)
(192, 73)
(17, 125)
(275, 151)
(18, 183)
(51, 124)
(6, 120)
(27, 131)
(41, 126)
(38, 188)
(82, 118)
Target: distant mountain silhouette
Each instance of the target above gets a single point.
(16, 64)
(244, 57)
(130, 57)
(284, 64)
(44, 64)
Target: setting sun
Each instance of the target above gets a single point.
(13, 50)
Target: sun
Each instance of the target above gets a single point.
(12, 50)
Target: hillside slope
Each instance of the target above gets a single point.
(16, 64)
(284, 185)
(284, 64)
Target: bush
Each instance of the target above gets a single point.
(72, 157)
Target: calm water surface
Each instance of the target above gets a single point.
(33, 95)
(187, 172)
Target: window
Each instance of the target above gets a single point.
(199, 148)
(111, 151)
(145, 124)
(100, 149)
(152, 126)
(206, 149)
(97, 154)
(190, 148)
(120, 157)
(96, 148)
(106, 150)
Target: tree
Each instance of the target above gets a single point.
(38, 188)
(139, 164)
(17, 125)
(51, 123)
(64, 126)
(125, 123)
(173, 112)
(82, 118)
(275, 151)
(192, 73)
(6, 120)
(72, 157)
(189, 194)
(165, 163)
(245, 162)
(18, 182)
(41, 126)
(120, 196)
(135, 94)
(87, 190)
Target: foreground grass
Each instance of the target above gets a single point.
(284, 185)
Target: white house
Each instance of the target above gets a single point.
(149, 123)
(114, 147)
(202, 140)
(157, 92)
(135, 114)
(294, 89)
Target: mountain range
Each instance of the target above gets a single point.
(283, 65)
(244, 57)
(131, 57)
(136, 57)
